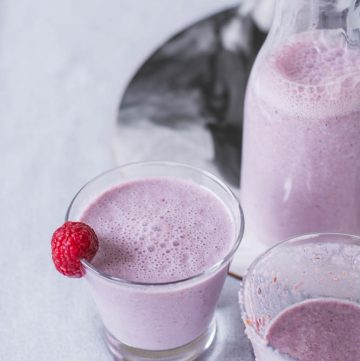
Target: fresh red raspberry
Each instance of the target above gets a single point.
(70, 243)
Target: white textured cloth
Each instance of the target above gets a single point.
(63, 67)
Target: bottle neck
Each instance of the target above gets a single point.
(353, 24)
(307, 15)
(293, 17)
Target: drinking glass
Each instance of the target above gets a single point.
(322, 265)
(158, 321)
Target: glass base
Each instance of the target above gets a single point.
(187, 352)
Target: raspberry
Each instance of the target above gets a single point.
(70, 243)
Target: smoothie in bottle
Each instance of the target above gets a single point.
(301, 147)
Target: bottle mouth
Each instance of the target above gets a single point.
(171, 167)
(353, 24)
(307, 15)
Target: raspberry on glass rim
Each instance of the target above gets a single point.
(70, 243)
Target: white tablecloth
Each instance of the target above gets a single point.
(63, 67)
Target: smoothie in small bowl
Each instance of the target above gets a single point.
(301, 300)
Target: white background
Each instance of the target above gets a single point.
(63, 67)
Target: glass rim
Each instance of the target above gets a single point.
(294, 239)
(207, 272)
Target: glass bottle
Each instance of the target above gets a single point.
(301, 142)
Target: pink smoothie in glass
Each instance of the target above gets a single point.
(301, 151)
(316, 330)
(155, 231)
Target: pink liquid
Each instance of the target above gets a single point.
(154, 231)
(301, 169)
(159, 230)
(317, 330)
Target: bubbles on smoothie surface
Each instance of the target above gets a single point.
(314, 71)
(313, 61)
(159, 230)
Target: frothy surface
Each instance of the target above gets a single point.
(316, 73)
(320, 329)
(159, 230)
(316, 60)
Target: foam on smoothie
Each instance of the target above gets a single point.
(316, 74)
(317, 330)
(159, 230)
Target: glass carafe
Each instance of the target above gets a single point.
(301, 142)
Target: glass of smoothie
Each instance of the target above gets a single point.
(301, 300)
(167, 233)
(300, 170)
